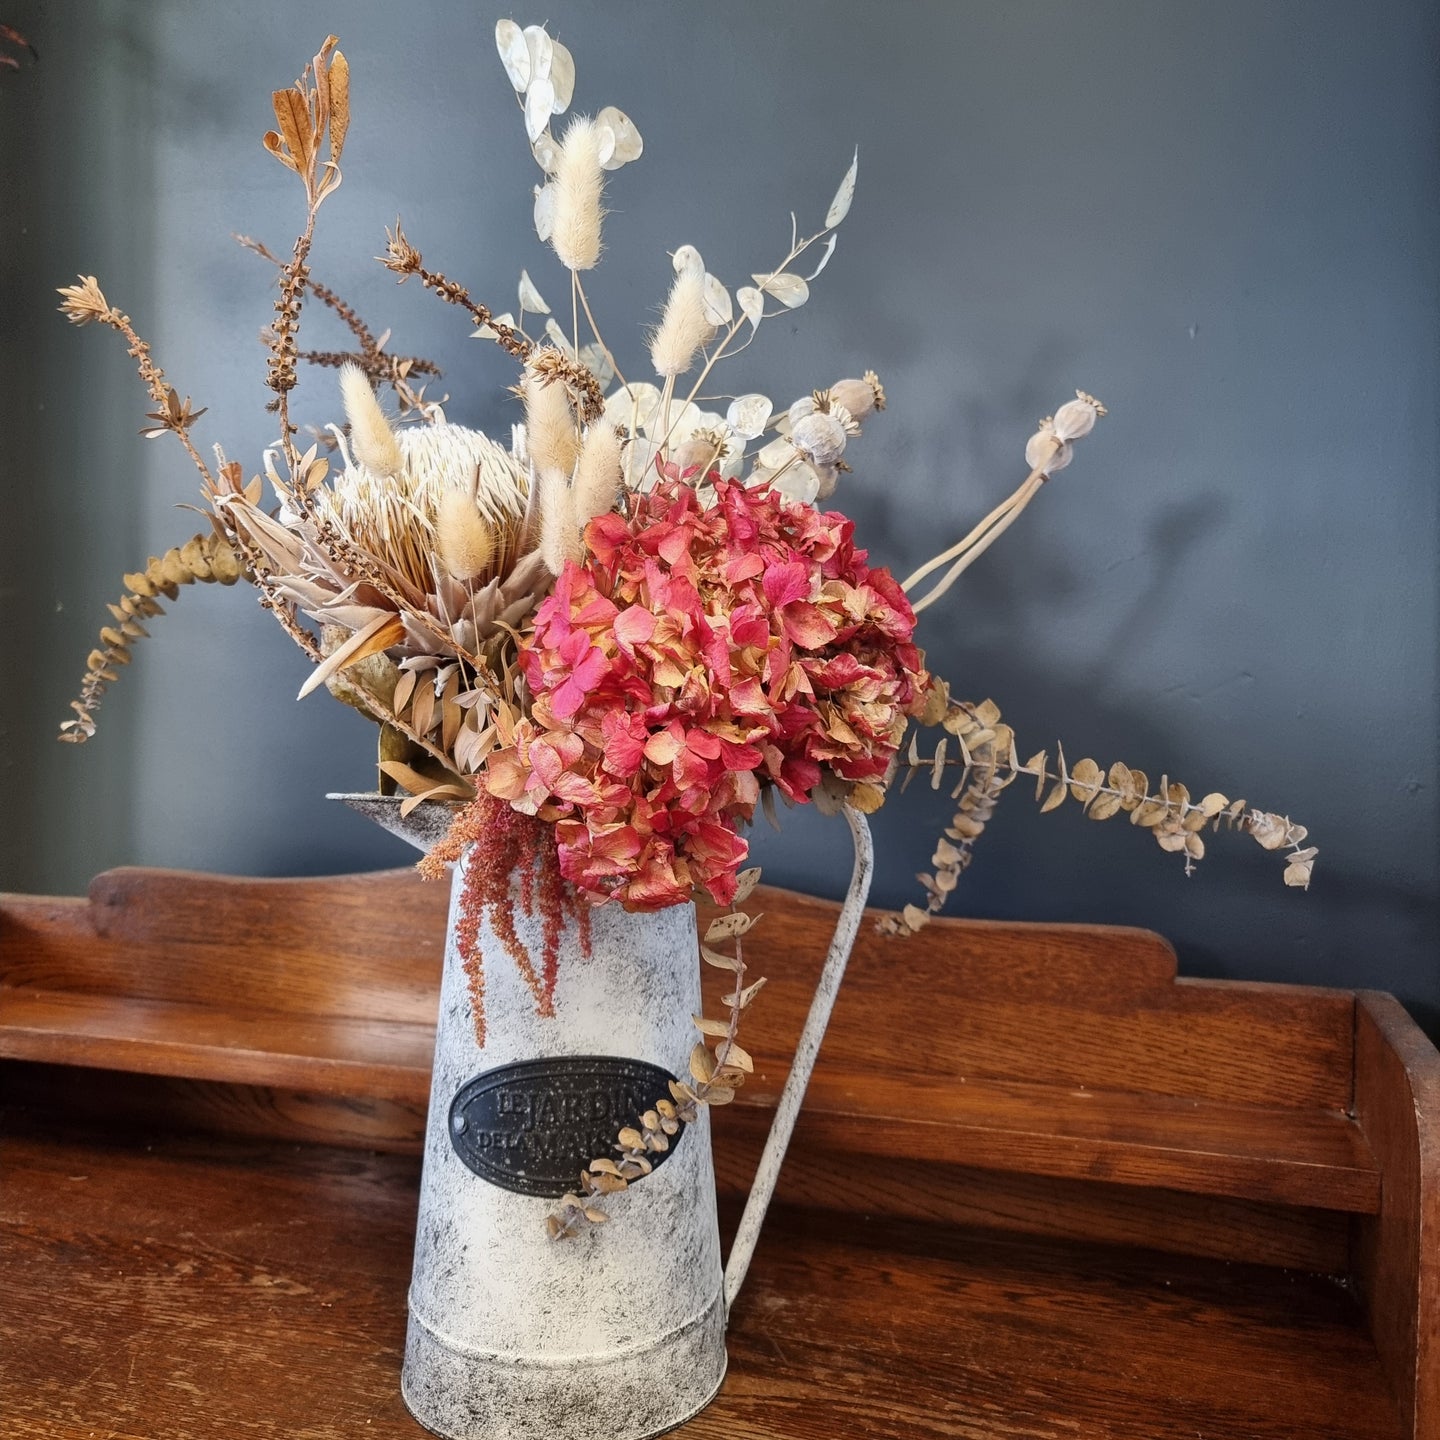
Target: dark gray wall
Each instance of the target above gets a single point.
(1220, 218)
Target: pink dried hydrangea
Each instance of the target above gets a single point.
(700, 653)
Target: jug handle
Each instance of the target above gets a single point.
(767, 1173)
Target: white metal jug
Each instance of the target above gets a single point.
(619, 1330)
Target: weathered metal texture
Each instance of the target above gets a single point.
(618, 1330)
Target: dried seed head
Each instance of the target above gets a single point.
(371, 437)
(559, 534)
(683, 327)
(1077, 417)
(820, 438)
(579, 179)
(859, 397)
(550, 436)
(466, 542)
(1046, 452)
(598, 472)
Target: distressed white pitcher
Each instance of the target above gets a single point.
(618, 1330)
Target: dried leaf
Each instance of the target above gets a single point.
(840, 205)
(702, 1063)
(706, 1026)
(718, 959)
(1103, 807)
(825, 255)
(719, 1095)
(531, 299)
(380, 634)
(726, 927)
(745, 883)
(734, 1055)
(915, 917)
(1055, 797)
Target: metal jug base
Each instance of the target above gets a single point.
(632, 1395)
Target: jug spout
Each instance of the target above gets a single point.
(424, 827)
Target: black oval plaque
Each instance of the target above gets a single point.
(533, 1126)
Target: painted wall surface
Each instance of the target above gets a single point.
(1219, 218)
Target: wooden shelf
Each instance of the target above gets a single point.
(1040, 1091)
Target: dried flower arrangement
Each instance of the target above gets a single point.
(610, 641)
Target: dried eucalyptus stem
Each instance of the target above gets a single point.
(714, 1079)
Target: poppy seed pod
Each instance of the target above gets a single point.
(1046, 452)
(820, 438)
(1077, 417)
(859, 397)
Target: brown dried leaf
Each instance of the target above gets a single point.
(735, 1055)
(1103, 806)
(718, 959)
(726, 927)
(745, 883)
(710, 1027)
(1055, 797)
(702, 1064)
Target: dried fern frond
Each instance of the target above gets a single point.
(208, 558)
(988, 753)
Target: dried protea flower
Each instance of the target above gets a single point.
(579, 180)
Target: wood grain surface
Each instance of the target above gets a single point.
(159, 1288)
(1011, 1128)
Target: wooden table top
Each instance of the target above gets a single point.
(161, 1286)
